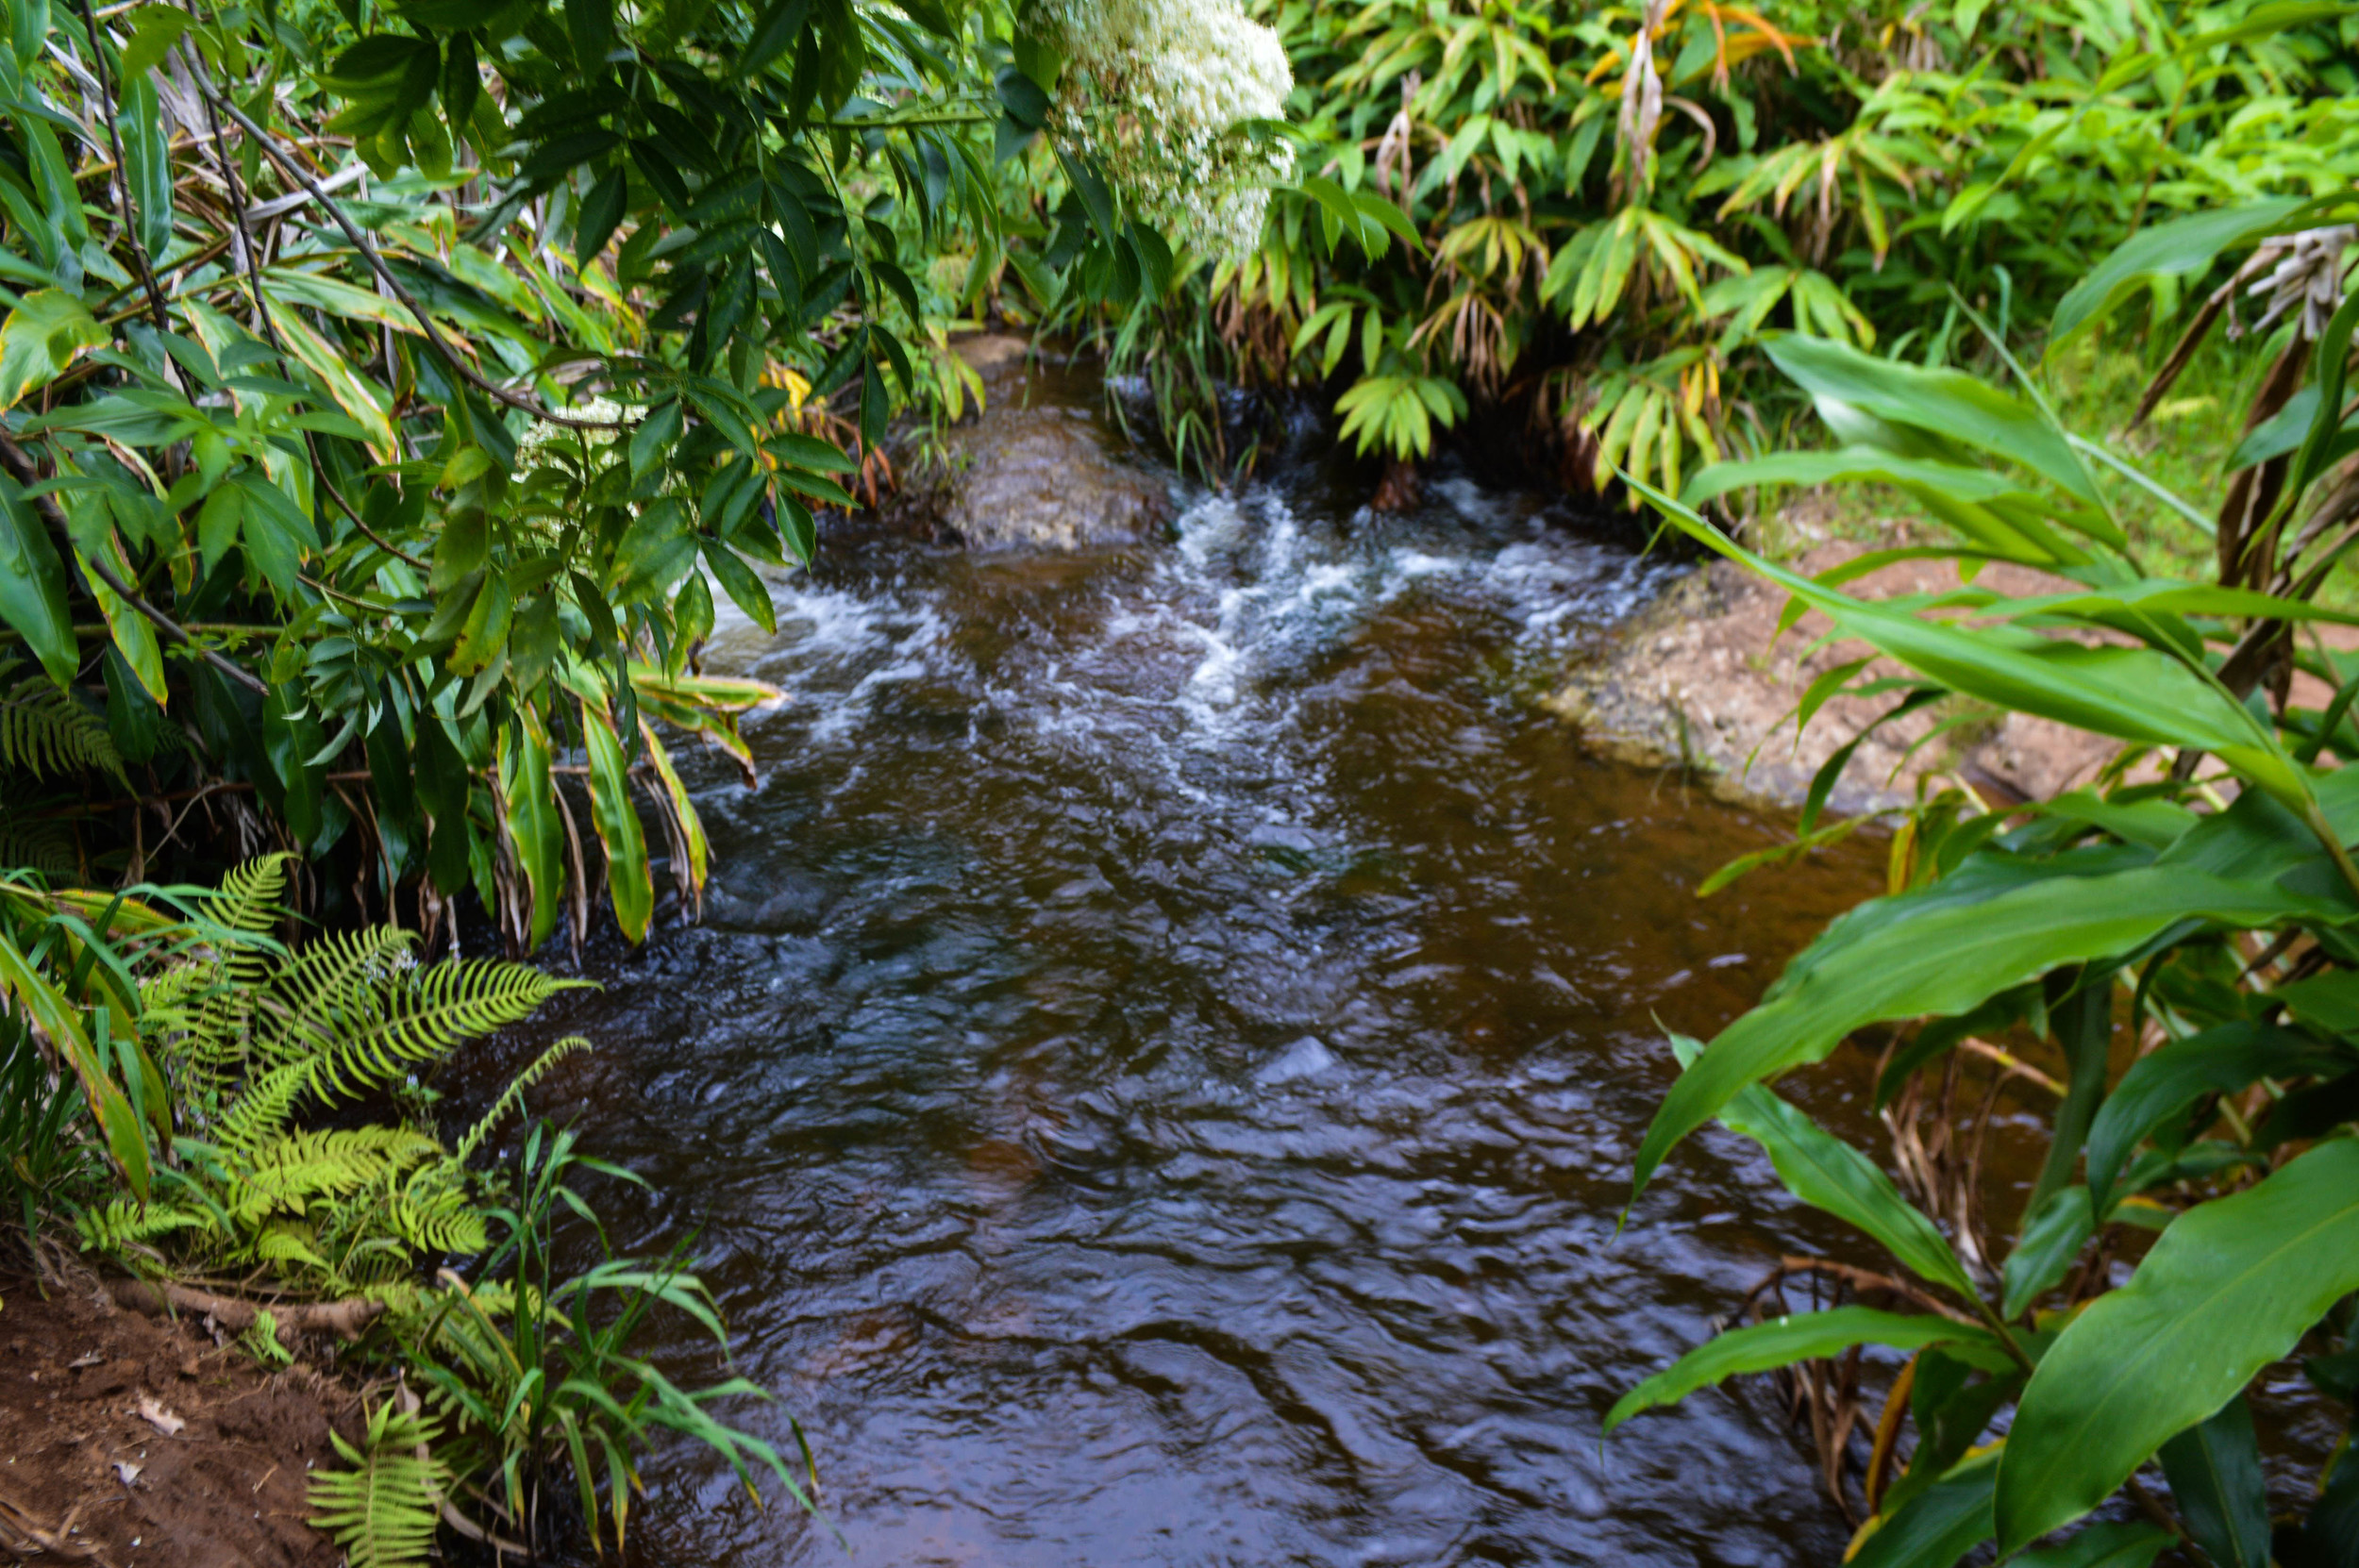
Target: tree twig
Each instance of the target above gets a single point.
(433, 334)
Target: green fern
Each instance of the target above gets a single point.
(383, 1511)
(255, 1038)
(37, 845)
(46, 730)
(515, 1092)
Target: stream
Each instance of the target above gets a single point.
(1156, 1080)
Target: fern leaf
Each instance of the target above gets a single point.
(46, 730)
(383, 1511)
(411, 1019)
(432, 1213)
(46, 847)
(513, 1093)
(335, 977)
(121, 1223)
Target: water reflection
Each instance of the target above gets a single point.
(1158, 1074)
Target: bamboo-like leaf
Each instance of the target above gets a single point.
(1938, 1525)
(1829, 1175)
(1781, 1341)
(629, 882)
(2228, 1289)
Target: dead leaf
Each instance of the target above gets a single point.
(153, 1412)
(80, 1362)
(128, 1470)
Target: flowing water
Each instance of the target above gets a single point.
(1158, 1074)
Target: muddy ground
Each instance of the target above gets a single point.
(125, 1439)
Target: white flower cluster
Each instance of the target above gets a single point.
(1152, 88)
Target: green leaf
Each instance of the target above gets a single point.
(2215, 1474)
(655, 435)
(33, 585)
(147, 159)
(1930, 954)
(590, 23)
(1946, 404)
(744, 585)
(2131, 1546)
(627, 881)
(2054, 1234)
(530, 797)
(2230, 1287)
(153, 30)
(1781, 1341)
(1938, 1526)
(2173, 249)
(2159, 1086)
(62, 1021)
(46, 332)
(1829, 1175)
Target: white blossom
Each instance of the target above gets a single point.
(1153, 89)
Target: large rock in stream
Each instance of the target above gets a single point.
(1042, 468)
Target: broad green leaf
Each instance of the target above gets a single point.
(153, 30)
(2129, 1545)
(2174, 249)
(2133, 694)
(1829, 1175)
(2053, 1235)
(1934, 957)
(46, 332)
(1947, 404)
(2159, 1086)
(62, 1021)
(627, 881)
(285, 285)
(2215, 1474)
(33, 585)
(2230, 1287)
(692, 826)
(134, 634)
(1781, 1341)
(1938, 1525)
(530, 804)
(1996, 514)
(357, 394)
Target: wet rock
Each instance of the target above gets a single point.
(1306, 1058)
(1040, 469)
(1701, 680)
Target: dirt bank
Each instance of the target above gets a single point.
(1701, 677)
(128, 1440)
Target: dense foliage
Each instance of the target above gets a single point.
(1613, 205)
(385, 396)
(2176, 938)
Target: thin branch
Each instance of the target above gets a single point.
(359, 242)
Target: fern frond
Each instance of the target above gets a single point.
(121, 1223)
(513, 1093)
(45, 730)
(290, 1172)
(432, 1213)
(335, 977)
(384, 1509)
(46, 847)
(284, 1244)
(248, 902)
(410, 1018)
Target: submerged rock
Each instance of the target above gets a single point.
(1306, 1058)
(1040, 469)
